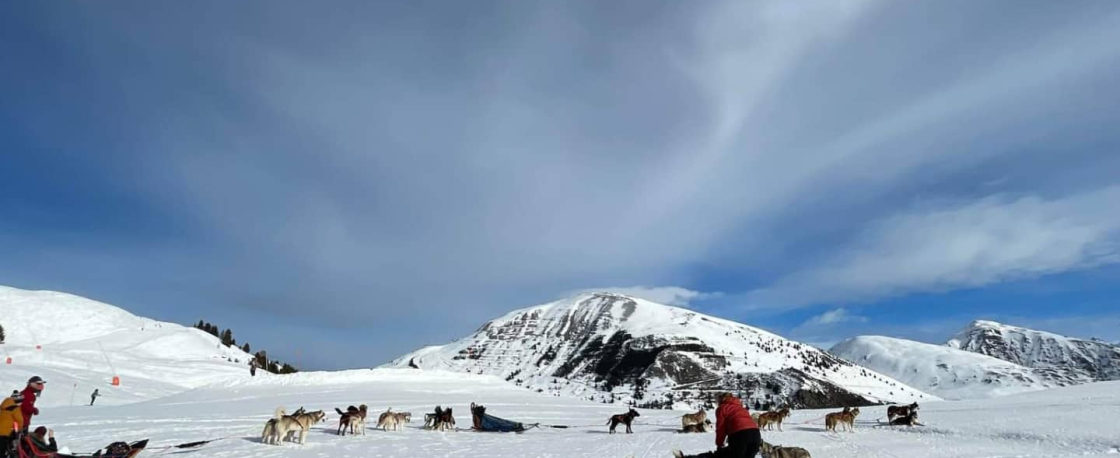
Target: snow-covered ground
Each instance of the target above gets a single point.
(1074, 421)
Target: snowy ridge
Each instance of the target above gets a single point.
(610, 347)
(1082, 359)
(60, 337)
(943, 371)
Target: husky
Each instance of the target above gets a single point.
(769, 419)
(909, 420)
(441, 420)
(354, 419)
(901, 411)
(698, 427)
(777, 451)
(390, 419)
(690, 419)
(624, 418)
(847, 417)
(288, 427)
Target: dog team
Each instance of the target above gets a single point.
(294, 427)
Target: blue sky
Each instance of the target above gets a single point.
(369, 177)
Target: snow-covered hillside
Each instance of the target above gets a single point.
(610, 347)
(60, 337)
(1079, 358)
(943, 371)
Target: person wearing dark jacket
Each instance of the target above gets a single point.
(735, 426)
(93, 397)
(30, 395)
(40, 442)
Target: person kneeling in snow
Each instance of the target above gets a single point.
(734, 423)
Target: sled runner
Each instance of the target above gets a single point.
(28, 449)
(490, 423)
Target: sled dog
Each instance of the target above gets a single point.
(624, 418)
(777, 451)
(690, 419)
(847, 418)
(354, 419)
(769, 419)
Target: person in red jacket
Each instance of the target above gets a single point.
(735, 425)
(30, 395)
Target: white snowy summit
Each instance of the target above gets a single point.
(987, 359)
(1078, 359)
(944, 371)
(611, 347)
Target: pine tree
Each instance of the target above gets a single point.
(245, 348)
(1, 334)
(214, 330)
(201, 325)
(227, 337)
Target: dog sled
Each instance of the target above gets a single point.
(28, 449)
(489, 423)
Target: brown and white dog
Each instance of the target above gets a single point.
(624, 418)
(290, 427)
(354, 419)
(394, 420)
(769, 419)
(847, 417)
(691, 419)
(441, 420)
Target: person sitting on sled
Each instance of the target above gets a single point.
(39, 444)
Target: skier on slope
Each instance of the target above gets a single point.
(734, 423)
(30, 394)
(93, 397)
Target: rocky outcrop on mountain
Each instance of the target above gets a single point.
(1075, 359)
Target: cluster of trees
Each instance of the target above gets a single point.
(261, 357)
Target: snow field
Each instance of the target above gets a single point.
(1064, 422)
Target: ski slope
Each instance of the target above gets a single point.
(78, 345)
(1065, 422)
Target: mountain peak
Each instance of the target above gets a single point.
(609, 347)
(1079, 358)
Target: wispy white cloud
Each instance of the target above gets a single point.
(836, 316)
(938, 248)
(668, 295)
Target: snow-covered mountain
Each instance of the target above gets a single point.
(1084, 359)
(944, 371)
(610, 347)
(78, 344)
